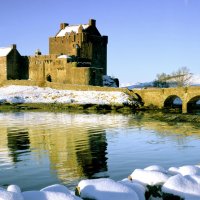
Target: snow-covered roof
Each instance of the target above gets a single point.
(4, 51)
(63, 56)
(69, 29)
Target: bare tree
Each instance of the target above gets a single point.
(181, 77)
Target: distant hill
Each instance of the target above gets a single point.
(195, 81)
(140, 85)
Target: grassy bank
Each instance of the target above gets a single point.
(94, 108)
(59, 107)
(174, 117)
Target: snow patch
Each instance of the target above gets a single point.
(34, 94)
(141, 183)
(69, 29)
(106, 189)
(148, 177)
(187, 186)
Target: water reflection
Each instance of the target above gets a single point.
(93, 159)
(49, 148)
(64, 146)
(18, 142)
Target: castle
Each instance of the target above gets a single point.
(77, 55)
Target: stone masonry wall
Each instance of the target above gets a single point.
(65, 45)
(88, 51)
(91, 45)
(3, 70)
(49, 68)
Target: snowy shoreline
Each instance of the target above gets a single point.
(15, 94)
(151, 183)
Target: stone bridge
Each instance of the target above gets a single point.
(164, 97)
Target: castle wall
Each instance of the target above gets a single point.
(86, 66)
(49, 68)
(91, 44)
(98, 52)
(38, 65)
(13, 66)
(3, 68)
(65, 45)
(24, 68)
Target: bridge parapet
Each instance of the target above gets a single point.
(158, 96)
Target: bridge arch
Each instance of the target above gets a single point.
(193, 105)
(164, 97)
(173, 101)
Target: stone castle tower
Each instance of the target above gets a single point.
(83, 41)
(77, 55)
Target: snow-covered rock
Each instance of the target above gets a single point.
(156, 168)
(137, 187)
(147, 177)
(185, 170)
(13, 192)
(152, 183)
(53, 192)
(106, 189)
(173, 170)
(187, 187)
(189, 170)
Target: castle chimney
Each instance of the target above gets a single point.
(92, 22)
(14, 46)
(63, 25)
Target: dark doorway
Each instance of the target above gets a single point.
(49, 79)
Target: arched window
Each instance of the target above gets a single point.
(49, 79)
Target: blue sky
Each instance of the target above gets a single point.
(146, 37)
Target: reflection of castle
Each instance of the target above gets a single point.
(96, 161)
(74, 154)
(5, 158)
(18, 142)
(77, 55)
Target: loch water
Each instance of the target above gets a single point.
(38, 149)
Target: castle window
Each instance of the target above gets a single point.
(49, 79)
